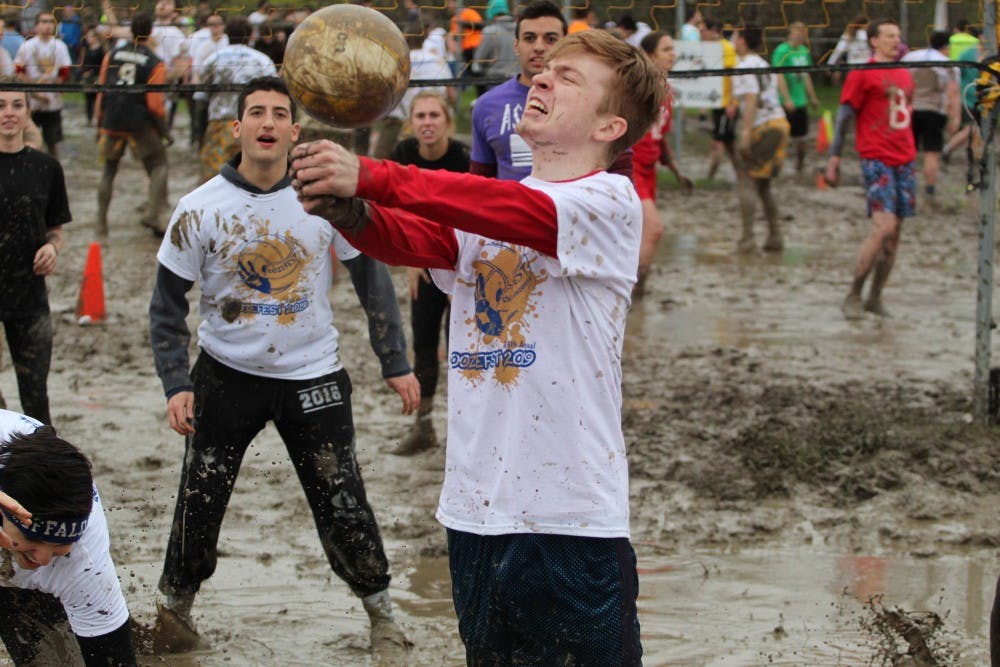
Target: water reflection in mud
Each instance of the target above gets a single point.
(797, 307)
(749, 607)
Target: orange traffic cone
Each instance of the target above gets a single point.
(90, 304)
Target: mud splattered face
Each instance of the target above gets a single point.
(31, 554)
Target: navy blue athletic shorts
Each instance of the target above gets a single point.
(534, 599)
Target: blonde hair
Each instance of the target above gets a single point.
(636, 90)
(431, 94)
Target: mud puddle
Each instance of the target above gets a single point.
(746, 607)
(785, 309)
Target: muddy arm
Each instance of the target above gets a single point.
(168, 330)
(377, 295)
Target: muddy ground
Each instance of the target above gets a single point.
(757, 418)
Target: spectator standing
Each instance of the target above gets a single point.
(233, 63)
(91, 57)
(169, 43)
(723, 116)
(497, 148)
(134, 120)
(936, 107)
(584, 18)
(6, 60)
(431, 147)
(495, 56)
(693, 23)
(70, 31)
(423, 66)
(465, 32)
(761, 142)
(203, 44)
(45, 59)
(10, 39)
(633, 31)
(652, 149)
(853, 45)
(796, 90)
(969, 132)
(36, 207)
(30, 12)
(961, 39)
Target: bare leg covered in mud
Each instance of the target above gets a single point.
(876, 256)
(750, 190)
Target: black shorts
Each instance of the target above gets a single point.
(723, 127)
(50, 123)
(928, 130)
(798, 120)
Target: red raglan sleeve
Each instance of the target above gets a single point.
(502, 210)
(400, 238)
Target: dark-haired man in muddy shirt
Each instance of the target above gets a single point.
(269, 351)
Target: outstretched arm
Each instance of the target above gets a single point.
(517, 214)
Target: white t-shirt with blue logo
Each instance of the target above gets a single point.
(84, 581)
(535, 442)
(264, 266)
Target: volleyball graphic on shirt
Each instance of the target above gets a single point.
(504, 285)
(271, 264)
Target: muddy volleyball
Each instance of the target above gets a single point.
(346, 65)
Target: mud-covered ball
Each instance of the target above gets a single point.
(346, 65)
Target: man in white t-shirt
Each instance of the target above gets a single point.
(234, 63)
(169, 43)
(761, 142)
(535, 495)
(203, 44)
(269, 352)
(937, 108)
(44, 58)
(55, 564)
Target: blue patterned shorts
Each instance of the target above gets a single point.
(535, 599)
(890, 189)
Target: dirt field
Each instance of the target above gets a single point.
(757, 417)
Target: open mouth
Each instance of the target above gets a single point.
(538, 106)
(267, 140)
(29, 562)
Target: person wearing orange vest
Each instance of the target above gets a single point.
(465, 32)
(583, 19)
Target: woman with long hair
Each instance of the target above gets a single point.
(430, 147)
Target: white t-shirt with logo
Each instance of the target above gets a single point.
(764, 86)
(264, 266)
(42, 61)
(535, 441)
(84, 581)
